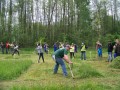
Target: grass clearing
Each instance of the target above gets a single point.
(90, 74)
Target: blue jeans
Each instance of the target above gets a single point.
(83, 55)
(59, 61)
(109, 56)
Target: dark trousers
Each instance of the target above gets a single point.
(2, 50)
(72, 55)
(15, 52)
(40, 55)
(7, 50)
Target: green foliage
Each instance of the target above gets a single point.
(116, 63)
(86, 71)
(10, 69)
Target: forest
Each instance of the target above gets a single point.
(29, 21)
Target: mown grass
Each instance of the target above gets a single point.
(90, 74)
(10, 69)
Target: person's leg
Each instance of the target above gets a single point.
(42, 56)
(39, 57)
(61, 62)
(84, 54)
(6, 51)
(70, 55)
(63, 67)
(56, 67)
(81, 55)
(108, 56)
(73, 54)
(13, 53)
(111, 56)
(2, 50)
(18, 52)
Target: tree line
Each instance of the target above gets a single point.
(73, 21)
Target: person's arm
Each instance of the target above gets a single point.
(66, 58)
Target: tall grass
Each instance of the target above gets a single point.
(85, 86)
(86, 71)
(10, 69)
(116, 63)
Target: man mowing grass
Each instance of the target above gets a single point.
(59, 56)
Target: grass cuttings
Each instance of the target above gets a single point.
(10, 69)
(116, 63)
(86, 71)
(85, 86)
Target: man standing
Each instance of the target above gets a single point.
(110, 49)
(83, 51)
(59, 56)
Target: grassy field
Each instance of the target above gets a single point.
(91, 74)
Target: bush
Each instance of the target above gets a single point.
(116, 63)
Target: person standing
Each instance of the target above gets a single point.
(46, 49)
(7, 47)
(72, 49)
(40, 52)
(11, 47)
(110, 49)
(83, 51)
(55, 47)
(75, 48)
(59, 56)
(2, 47)
(99, 48)
(117, 48)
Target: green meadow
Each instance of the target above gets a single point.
(24, 73)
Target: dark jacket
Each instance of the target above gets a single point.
(117, 49)
(110, 47)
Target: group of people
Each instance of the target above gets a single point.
(112, 47)
(61, 54)
(73, 49)
(9, 48)
(115, 46)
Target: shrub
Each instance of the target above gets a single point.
(116, 63)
